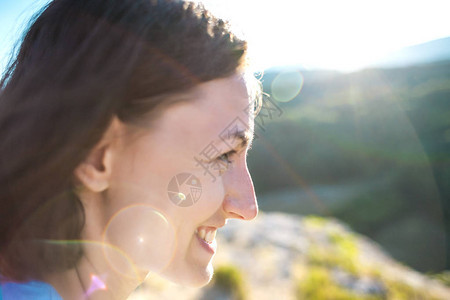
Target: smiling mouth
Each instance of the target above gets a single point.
(208, 234)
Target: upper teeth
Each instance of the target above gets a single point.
(207, 234)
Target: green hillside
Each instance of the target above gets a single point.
(371, 148)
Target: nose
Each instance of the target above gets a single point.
(240, 199)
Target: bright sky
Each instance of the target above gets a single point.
(13, 17)
(344, 35)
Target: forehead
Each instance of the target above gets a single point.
(214, 107)
(225, 95)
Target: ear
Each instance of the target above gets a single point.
(95, 171)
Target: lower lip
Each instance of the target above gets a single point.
(211, 248)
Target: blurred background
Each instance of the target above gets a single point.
(364, 133)
(355, 124)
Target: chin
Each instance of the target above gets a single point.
(195, 278)
(202, 278)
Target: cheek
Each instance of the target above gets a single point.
(212, 196)
(139, 238)
(188, 215)
(138, 179)
(194, 196)
(147, 224)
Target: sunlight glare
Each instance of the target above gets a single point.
(344, 35)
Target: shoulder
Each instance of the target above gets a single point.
(28, 290)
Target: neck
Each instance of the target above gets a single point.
(104, 271)
(95, 278)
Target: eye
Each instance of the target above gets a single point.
(226, 156)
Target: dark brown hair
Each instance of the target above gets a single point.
(80, 63)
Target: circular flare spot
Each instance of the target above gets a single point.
(144, 236)
(181, 196)
(287, 85)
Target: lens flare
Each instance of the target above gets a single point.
(144, 235)
(287, 85)
(96, 284)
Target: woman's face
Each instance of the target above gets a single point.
(175, 185)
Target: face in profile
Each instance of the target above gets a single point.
(172, 186)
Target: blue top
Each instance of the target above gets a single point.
(35, 290)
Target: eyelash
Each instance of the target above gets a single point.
(226, 156)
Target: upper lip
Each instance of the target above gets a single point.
(214, 226)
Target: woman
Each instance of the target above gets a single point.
(124, 127)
